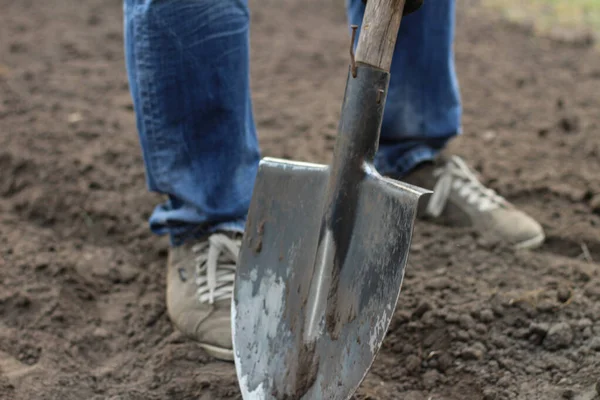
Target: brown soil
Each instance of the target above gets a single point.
(82, 280)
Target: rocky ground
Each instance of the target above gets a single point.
(82, 280)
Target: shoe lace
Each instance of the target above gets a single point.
(216, 260)
(457, 175)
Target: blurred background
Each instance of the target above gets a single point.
(575, 19)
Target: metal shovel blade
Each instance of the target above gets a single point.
(322, 263)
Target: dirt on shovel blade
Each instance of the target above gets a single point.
(82, 313)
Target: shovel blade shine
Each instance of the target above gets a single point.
(274, 359)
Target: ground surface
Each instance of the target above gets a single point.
(81, 279)
(574, 20)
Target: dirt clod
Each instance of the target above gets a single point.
(486, 316)
(413, 364)
(540, 329)
(475, 351)
(558, 336)
(595, 343)
(595, 204)
(564, 294)
(490, 394)
(421, 309)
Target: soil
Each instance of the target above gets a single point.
(82, 279)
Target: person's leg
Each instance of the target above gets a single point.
(423, 108)
(423, 112)
(188, 67)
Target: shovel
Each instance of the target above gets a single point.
(324, 251)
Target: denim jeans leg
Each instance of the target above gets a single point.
(188, 69)
(423, 109)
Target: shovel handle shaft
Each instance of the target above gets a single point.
(379, 32)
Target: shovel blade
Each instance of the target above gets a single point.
(271, 305)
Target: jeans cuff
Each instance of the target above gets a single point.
(400, 167)
(180, 235)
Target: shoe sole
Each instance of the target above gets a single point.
(532, 243)
(219, 353)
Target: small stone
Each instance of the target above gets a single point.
(559, 336)
(414, 326)
(101, 333)
(490, 394)
(126, 274)
(489, 135)
(587, 333)
(471, 353)
(568, 394)
(421, 309)
(486, 316)
(75, 117)
(438, 283)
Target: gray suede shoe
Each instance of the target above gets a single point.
(459, 199)
(200, 279)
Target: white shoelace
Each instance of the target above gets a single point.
(216, 261)
(457, 175)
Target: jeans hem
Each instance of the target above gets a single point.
(402, 166)
(180, 235)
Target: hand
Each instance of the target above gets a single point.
(410, 6)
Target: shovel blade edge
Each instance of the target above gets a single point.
(275, 272)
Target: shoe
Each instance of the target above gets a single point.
(200, 278)
(459, 199)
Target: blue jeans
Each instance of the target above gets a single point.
(188, 68)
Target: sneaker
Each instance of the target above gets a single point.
(200, 279)
(459, 199)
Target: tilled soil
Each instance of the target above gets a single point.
(82, 279)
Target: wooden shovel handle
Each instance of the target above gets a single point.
(379, 31)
